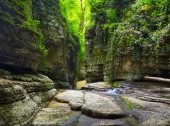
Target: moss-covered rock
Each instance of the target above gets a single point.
(131, 42)
(62, 47)
(21, 95)
(16, 49)
(9, 92)
(147, 113)
(27, 30)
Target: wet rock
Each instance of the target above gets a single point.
(162, 90)
(88, 121)
(148, 113)
(73, 97)
(91, 104)
(101, 107)
(54, 115)
(49, 117)
(155, 99)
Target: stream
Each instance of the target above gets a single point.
(153, 107)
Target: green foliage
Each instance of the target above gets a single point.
(77, 15)
(136, 28)
(143, 27)
(140, 21)
(31, 24)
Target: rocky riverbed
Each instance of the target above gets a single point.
(99, 104)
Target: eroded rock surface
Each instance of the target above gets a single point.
(148, 113)
(101, 107)
(21, 95)
(97, 86)
(60, 114)
(144, 102)
(91, 104)
(74, 98)
(61, 44)
(55, 114)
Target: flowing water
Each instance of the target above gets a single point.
(151, 88)
(160, 89)
(76, 118)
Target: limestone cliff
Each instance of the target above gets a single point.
(19, 39)
(130, 39)
(33, 40)
(21, 96)
(34, 36)
(62, 47)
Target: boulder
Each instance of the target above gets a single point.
(148, 113)
(21, 95)
(91, 104)
(101, 107)
(60, 114)
(73, 97)
(55, 114)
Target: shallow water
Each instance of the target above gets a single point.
(78, 119)
(161, 89)
(115, 91)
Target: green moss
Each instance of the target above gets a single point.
(19, 14)
(130, 105)
(144, 27)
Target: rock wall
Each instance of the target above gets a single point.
(125, 45)
(15, 48)
(21, 96)
(96, 49)
(62, 47)
(28, 30)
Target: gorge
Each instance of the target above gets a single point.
(84, 62)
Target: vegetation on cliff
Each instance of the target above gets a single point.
(19, 14)
(138, 28)
(31, 23)
(77, 15)
(142, 22)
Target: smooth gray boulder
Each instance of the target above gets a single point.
(91, 104)
(75, 98)
(101, 107)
